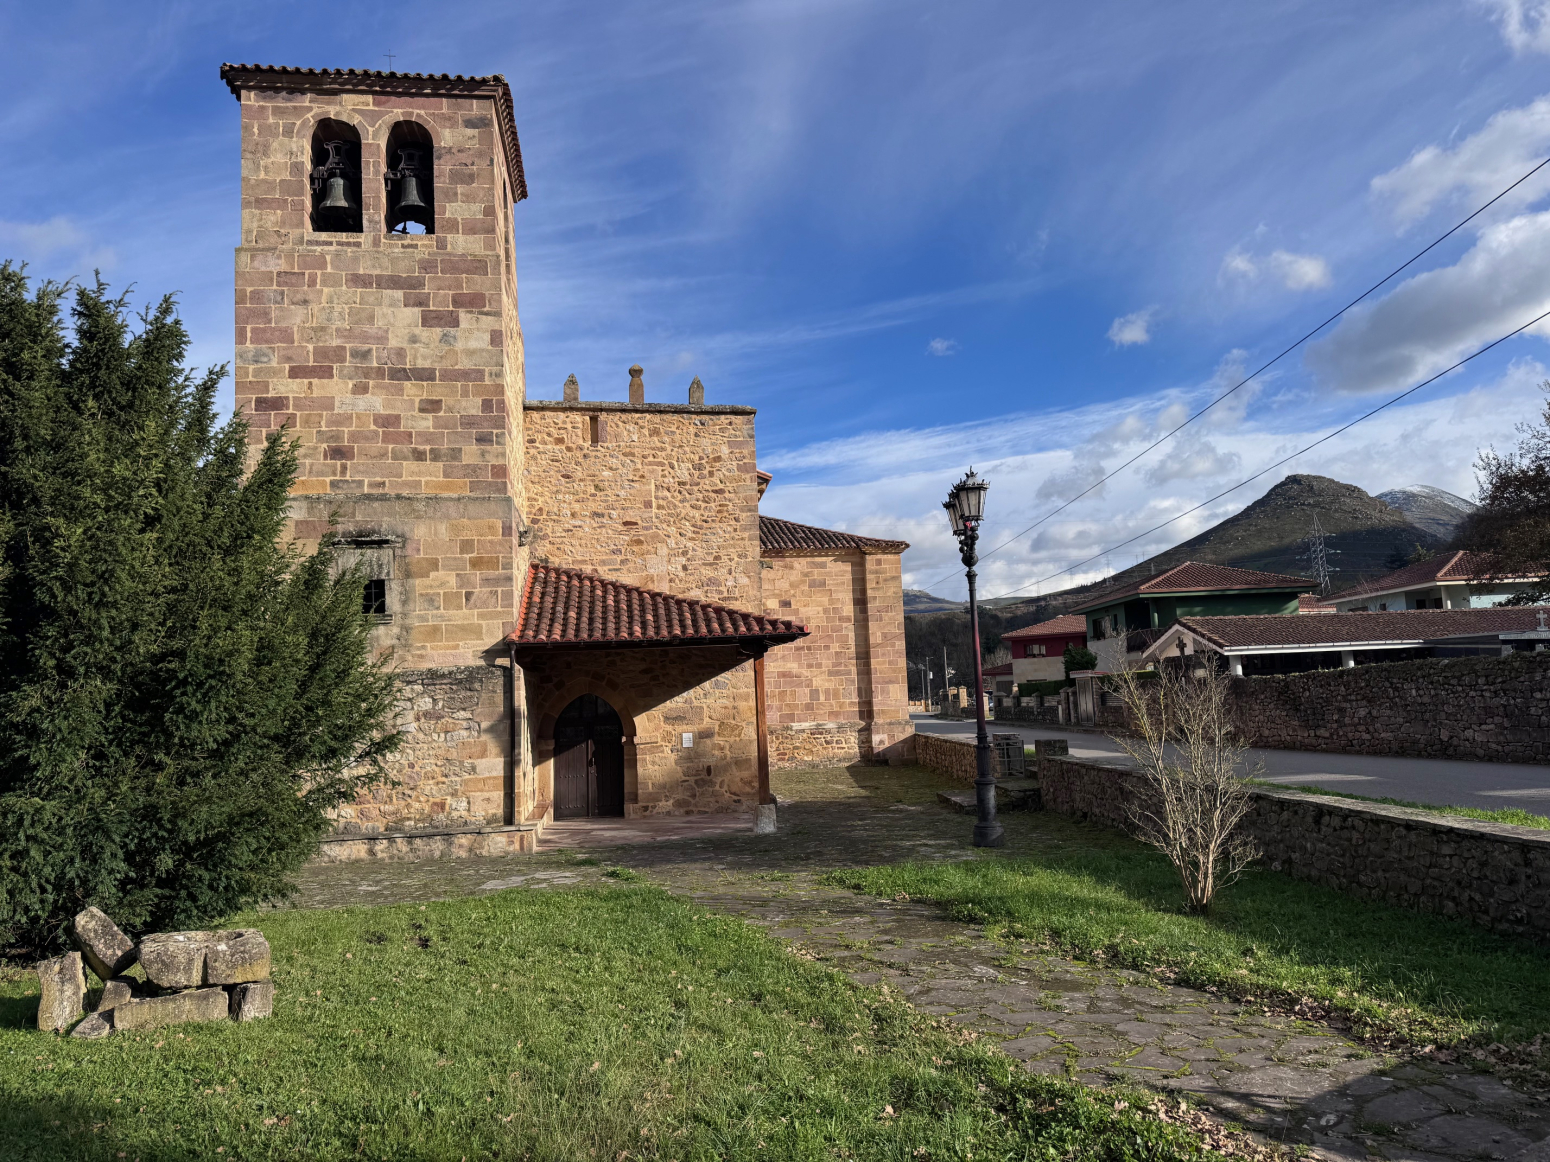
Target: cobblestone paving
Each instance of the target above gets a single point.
(1290, 1080)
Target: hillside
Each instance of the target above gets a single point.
(1433, 509)
(919, 601)
(1364, 536)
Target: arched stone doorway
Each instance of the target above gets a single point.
(588, 760)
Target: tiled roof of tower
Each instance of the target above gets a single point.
(1444, 567)
(1344, 630)
(785, 536)
(567, 607)
(239, 77)
(1066, 625)
(1194, 577)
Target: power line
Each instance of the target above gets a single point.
(1257, 371)
(1263, 471)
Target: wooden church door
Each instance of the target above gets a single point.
(588, 760)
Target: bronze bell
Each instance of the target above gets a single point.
(337, 196)
(409, 193)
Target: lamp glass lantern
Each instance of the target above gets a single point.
(965, 504)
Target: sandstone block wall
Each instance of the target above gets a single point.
(840, 695)
(1493, 709)
(659, 695)
(453, 769)
(665, 498)
(1492, 874)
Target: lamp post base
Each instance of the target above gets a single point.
(988, 835)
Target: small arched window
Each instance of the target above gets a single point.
(410, 180)
(336, 177)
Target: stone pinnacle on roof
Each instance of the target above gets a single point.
(696, 391)
(637, 384)
(572, 389)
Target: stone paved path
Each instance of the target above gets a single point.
(1290, 1080)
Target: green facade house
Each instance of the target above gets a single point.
(1123, 621)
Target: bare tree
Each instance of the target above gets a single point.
(1189, 757)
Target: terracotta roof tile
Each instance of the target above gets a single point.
(1004, 670)
(1313, 603)
(1063, 626)
(1192, 577)
(568, 607)
(1343, 630)
(239, 77)
(784, 536)
(1451, 567)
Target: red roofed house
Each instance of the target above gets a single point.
(1038, 650)
(1446, 581)
(580, 597)
(1124, 620)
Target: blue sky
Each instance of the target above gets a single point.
(914, 235)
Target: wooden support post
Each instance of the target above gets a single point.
(761, 725)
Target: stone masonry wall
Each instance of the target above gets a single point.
(666, 498)
(838, 695)
(659, 694)
(451, 770)
(1491, 874)
(1493, 709)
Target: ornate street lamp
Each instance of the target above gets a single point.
(965, 505)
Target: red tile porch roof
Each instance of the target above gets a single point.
(1195, 577)
(293, 78)
(567, 607)
(1344, 630)
(1066, 625)
(1452, 568)
(780, 537)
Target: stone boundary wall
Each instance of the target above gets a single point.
(949, 756)
(1490, 709)
(1492, 874)
(1046, 715)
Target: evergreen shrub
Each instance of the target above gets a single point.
(183, 697)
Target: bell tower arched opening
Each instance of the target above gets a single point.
(588, 760)
(410, 180)
(336, 177)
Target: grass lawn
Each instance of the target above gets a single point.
(1088, 890)
(1514, 815)
(598, 1024)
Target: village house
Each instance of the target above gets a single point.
(1038, 651)
(1123, 621)
(587, 611)
(1258, 646)
(1456, 580)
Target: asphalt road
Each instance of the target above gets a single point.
(1442, 782)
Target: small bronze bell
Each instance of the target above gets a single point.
(337, 196)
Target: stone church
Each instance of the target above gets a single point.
(587, 611)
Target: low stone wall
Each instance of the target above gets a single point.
(839, 744)
(1492, 874)
(953, 757)
(1046, 715)
(1492, 709)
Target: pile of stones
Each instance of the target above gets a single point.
(188, 976)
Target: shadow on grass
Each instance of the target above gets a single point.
(18, 1012)
(48, 1127)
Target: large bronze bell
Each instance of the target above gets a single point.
(409, 193)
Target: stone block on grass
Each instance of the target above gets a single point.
(118, 991)
(95, 1027)
(252, 1001)
(107, 950)
(175, 960)
(63, 991)
(209, 1004)
(237, 957)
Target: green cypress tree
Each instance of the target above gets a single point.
(183, 695)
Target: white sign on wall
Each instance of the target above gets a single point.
(688, 739)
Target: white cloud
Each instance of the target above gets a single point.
(58, 235)
(1431, 320)
(1479, 167)
(942, 347)
(1300, 271)
(891, 483)
(1525, 24)
(1132, 329)
(1295, 271)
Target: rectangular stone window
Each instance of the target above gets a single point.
(374, 600)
